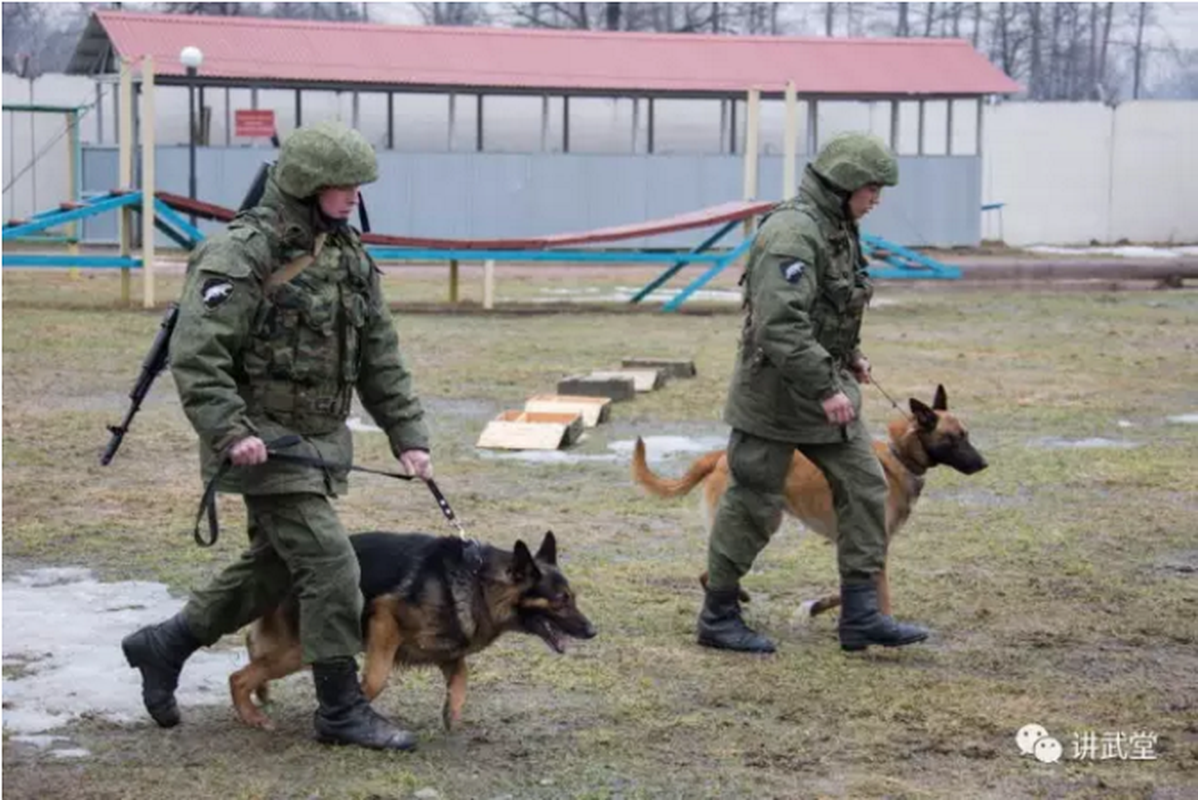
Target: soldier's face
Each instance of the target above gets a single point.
(338, 202)
(862, 201)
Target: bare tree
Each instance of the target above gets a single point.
(903, 28)
(1141, 17)
(461, 14)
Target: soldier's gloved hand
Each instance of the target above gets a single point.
(250, 450)
(861, 368)
(418, 463)
(839, 409)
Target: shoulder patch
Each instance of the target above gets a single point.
(792, 270)
(216, 291)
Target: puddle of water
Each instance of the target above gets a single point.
(663, 448)
(545, 456)
(1185, 419)
(622, 294)
(65, 629)
(657, 449)
(982, 498)
(1129, 251)
(1092, 443)
(70, 752)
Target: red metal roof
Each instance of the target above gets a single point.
(247, 49)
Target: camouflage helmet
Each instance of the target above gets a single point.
(853, 160)
(322, 155)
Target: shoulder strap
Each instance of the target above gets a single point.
(295, 266)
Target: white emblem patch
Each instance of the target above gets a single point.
(793, 271)
(216, 291)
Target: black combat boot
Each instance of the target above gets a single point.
(721, 626)
(159, 652)
(345, 715)
(861, 624)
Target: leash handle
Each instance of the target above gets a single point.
(445, 509)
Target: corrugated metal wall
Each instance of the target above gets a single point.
(476, 195)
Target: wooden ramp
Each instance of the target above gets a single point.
(531, 430)
(594, 410)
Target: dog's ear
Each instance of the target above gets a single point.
(547, 552)
(925, 416)
(940, 403)
(523, 567)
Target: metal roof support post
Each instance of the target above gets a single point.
(544, 122)
(981, 109)
(478, 125)
(148, 215)
(99, 114)
(390, 120)
(355, 109)
(453, 119)
(723, 122)
(125, 172)
(74, 178)
(732, 126)
(812, 127)
(651, 127)
(254, 98)
(299, 108)
(894, 126)
(228, 120)
(566, 123)
(636, 118)
(790, 144)
(922, 108)
(752, 130)
(948, 142)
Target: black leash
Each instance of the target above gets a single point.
(208, 501)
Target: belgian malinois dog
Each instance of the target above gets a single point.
(929, 438)
(429, 600)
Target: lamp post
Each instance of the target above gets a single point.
(191, 58)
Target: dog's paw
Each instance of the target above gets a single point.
(802, 616)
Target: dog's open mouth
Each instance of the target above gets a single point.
(549, 633)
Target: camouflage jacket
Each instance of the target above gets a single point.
(805, 292)
(253, 358)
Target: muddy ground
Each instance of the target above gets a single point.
(1061, 583)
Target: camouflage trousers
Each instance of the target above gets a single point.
(296, 543)
(751, 508)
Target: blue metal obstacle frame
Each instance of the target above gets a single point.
(166, 220)
(701, 255)
(902, 262)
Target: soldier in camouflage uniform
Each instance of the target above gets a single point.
(282, 318)
(796, 385)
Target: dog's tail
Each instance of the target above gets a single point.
(667, 487)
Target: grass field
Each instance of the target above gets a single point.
(1061, 583)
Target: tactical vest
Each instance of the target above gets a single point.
(838, 311)
(304, 354)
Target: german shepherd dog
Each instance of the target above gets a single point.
(930, 437)
(429, 600)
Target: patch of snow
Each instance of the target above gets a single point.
(65, 628)
(1128, 251)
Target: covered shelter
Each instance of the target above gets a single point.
(479, 63)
